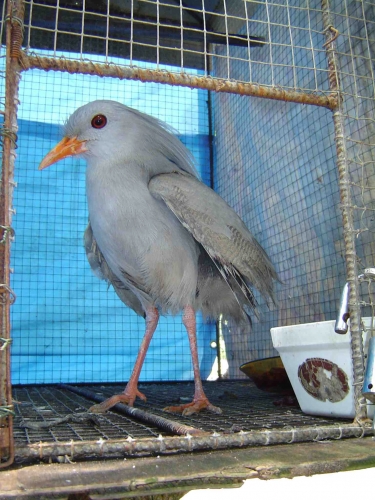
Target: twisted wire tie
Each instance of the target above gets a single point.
(5, 342)
(8, 231)
(317, 438)
(335, 33)
(7, 288)
(340, 435)
(15, 20)
(6, 132)
(7, 411)
(291, 429)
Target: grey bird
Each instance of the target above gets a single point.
(164, 240)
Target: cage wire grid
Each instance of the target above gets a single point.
(74, 309)
(308, 195)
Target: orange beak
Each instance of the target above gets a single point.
(69, 146)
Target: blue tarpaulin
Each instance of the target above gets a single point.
(67, 326)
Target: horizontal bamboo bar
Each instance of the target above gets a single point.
(33, 61)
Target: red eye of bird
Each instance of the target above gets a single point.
(99, 121)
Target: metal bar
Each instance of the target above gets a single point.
(33, 61)
(143, 416)
(347, 216)
(167, 445)
(14, 35)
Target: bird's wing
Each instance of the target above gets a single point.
(221, 232)
(101, 269)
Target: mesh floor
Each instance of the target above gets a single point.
(244, 408)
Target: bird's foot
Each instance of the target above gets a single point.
(127, 397)
(194, 407)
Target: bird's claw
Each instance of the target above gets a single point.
(194, 407)
(126, 397)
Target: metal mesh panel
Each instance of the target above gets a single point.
(261, 35)
(73, 329)
(271, 174)
(275, 164)
(244, 408)
(250, 418)
(281, 176)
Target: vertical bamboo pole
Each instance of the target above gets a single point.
(347, 216)
(14, 32)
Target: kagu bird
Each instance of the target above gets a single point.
(164, 240)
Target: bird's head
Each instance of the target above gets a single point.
(110, 132)
(94, 129)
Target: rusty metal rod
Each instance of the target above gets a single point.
(33, 61)
(347, 216)
(147, 447)
(143, 416)
(14, 34)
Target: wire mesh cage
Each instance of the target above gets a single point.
(275, 99)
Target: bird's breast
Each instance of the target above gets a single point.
(140, 237)
(120, 211)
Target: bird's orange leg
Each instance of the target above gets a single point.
(131, 389)
(200, 400)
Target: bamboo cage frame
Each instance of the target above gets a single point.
(17, 61)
